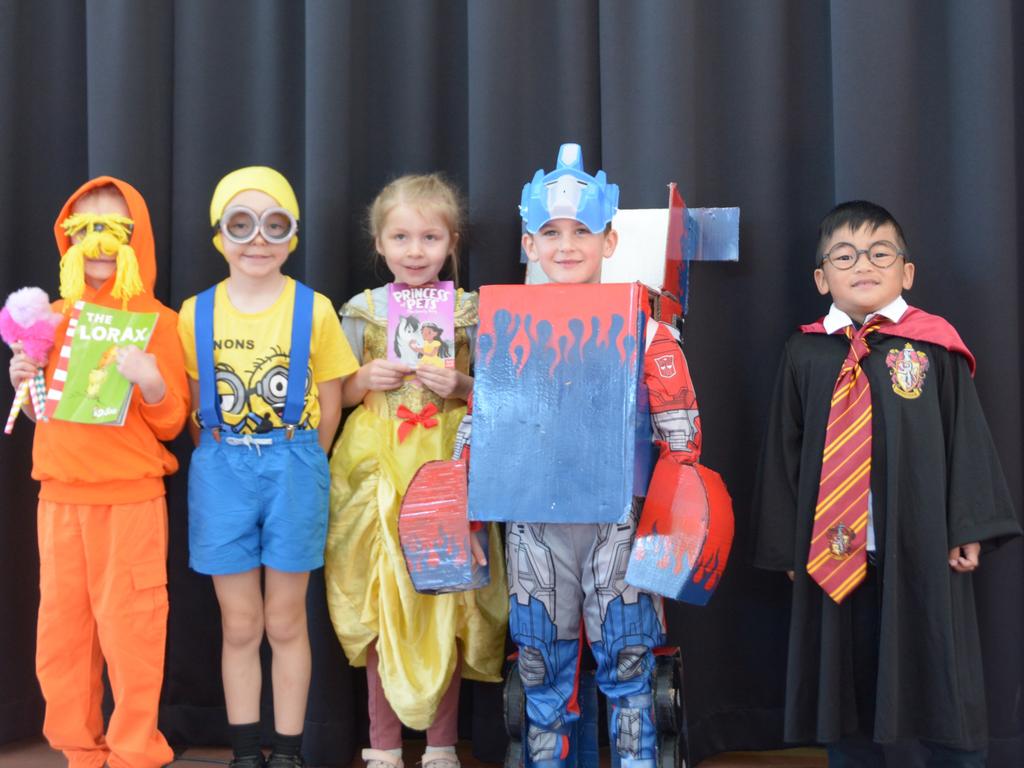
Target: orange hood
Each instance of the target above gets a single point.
(141, 242)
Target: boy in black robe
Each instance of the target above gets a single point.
(899, 656)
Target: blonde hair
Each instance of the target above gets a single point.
(425, 192)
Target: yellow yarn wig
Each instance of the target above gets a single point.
(104, 235)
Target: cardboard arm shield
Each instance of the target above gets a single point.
(434, 530)
(684, 534)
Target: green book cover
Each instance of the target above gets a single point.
(94, 392)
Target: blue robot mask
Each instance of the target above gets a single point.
(568, 192)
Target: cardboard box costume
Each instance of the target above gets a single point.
(572, 382)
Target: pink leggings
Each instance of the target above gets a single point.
(386, 728)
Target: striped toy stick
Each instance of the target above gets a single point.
(19, 398)
(33, 391)
(39, 395)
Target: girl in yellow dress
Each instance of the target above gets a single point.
(415, 647)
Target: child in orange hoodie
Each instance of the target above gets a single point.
(102, 516)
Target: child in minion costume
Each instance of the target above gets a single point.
(266, 356)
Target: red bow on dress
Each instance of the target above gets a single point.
(410, 419)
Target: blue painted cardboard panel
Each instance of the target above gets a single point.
(558, 408)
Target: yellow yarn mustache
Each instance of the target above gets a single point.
(106, 235)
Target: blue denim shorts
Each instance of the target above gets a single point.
(257, 500)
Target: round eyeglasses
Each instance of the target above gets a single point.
(882, 254)
(241, 225)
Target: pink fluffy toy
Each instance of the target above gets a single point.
(27, 318)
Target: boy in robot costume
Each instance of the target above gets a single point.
(563, 574)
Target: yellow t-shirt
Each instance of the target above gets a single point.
(251, 358)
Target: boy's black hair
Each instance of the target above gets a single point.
(856, 214)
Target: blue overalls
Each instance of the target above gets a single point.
(257, 499)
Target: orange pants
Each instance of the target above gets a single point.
(103, 595)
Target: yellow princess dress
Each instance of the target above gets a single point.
(369, 593)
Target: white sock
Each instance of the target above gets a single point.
(394, 752)
(450, 750)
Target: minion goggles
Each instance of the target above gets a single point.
(241, 225)
(568, 192)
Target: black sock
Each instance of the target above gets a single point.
(289, 746)
(245, 739)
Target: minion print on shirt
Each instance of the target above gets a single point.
(252, 401)
(251, 358)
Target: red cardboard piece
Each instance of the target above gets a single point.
(684, 534)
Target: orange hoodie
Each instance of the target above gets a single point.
(90, 464)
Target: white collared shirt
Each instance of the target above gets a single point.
(836, 319)
(834, 322)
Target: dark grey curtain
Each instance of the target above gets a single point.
(782, 108)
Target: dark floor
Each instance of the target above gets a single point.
(36, 754)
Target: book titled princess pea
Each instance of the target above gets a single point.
(421, 324)
(87, 387)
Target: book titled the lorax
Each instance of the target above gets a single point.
(87, 387)
(421, 324)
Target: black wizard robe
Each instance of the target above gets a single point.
(936, 483)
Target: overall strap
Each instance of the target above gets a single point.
(209, 406)
(302, 331)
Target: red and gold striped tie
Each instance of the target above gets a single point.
(838, 556)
